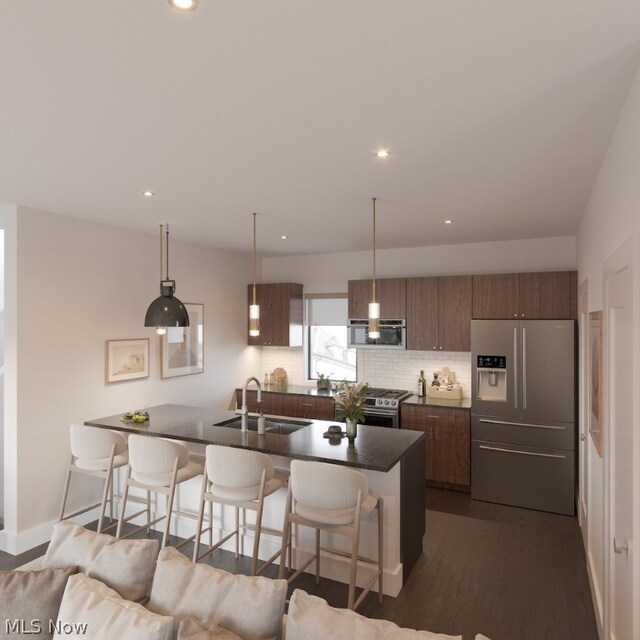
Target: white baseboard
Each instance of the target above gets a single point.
(16, 543)
(596, 596)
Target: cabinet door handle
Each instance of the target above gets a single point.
(430, 433)
(522, 424)
(523, 453)
(436, 433)
(434, 417)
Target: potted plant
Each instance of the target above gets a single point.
(323, 382)
(350, 405)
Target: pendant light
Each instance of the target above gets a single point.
(374, 307)
(166, 310)
(254, 309)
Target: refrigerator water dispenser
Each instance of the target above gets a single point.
(492, 378)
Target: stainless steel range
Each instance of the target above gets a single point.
(382, 407)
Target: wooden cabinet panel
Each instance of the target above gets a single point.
(391, 293)
(280, 314)
(324, 409)
(439, 313)
(447, 443)
(454, 321)
(496, 296)
(547, 295)
(422, 313)
(288, 404)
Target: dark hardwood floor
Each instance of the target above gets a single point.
(511, 574)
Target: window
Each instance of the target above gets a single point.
(326, 339)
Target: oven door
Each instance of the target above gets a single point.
(376, 418)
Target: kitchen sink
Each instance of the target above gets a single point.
(280, 426)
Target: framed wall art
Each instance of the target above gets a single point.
(182, 348)
(596, 422)
(126, 359)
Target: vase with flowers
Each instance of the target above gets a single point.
(350, 403)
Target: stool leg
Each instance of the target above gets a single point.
(380, 548)
(211, 524)
(354, 552)
(148, 510)
(256, 539)
(286, 534)
(124, 502)
(172, 490)
(237, 532)
(65, 491)
(317, 556)
(196, 542)
(107, 486)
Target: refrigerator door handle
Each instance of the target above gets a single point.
(524, 368)
(515, 367)
(523, 453)
(522, 424)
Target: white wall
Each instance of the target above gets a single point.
(612, 214)
(78, 284)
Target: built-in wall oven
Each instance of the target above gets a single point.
(382, 407)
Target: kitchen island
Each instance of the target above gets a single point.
(392, 459)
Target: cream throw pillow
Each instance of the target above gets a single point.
(311, 618)
(192, 629)
(124, 565)
(31, 599)
(250, 607)
(92, 611)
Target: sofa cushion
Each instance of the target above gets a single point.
(251, 607)
(90, 609)
(124, 565)
(27, 596)
(311, 618)
(192, 629)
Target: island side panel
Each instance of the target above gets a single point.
(412, 508)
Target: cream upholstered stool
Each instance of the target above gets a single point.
(333, 498)
(157, 465)
(241, 479)
(95, 452)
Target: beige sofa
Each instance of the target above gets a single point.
(125, 589)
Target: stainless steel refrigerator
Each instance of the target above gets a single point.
(523, 432)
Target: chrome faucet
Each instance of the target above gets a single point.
(244, 412)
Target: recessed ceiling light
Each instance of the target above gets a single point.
(448, 221)
(383, 153)
(183, 5)
(283, 237)
(148, 194)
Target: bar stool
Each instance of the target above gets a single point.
(95, 452)
(241, 479)
(156, 465)
(332, 498)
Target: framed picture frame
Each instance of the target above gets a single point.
(596, 421)
(126, 359)
(182, 348)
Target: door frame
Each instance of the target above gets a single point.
(583, 411)
(626, 256)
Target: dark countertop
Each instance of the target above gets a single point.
(444, 403)
(375, 448)
(296, 390)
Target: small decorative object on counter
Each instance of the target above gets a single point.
(279, 378)
(323, 382)
(445, 386)
(422, 384)
(350, 405)
(266, 379)
(435, 382)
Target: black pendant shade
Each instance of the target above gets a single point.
(166, 310)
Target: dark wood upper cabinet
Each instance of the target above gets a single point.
(495, 296)
(549, 295)
(439, 313)
(280, 314)
(543, 295)
(391, 293)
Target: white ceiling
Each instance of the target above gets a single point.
(497, 113)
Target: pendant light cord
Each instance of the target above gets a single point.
(167, 251)
(254, 258)
(374, 248)
(161, 238)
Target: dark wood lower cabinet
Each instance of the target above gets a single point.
(289, 404)
(447, 443)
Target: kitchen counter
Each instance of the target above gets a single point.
(444, 403)
(392, 460)
(375, 448)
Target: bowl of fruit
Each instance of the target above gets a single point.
(136, 417)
